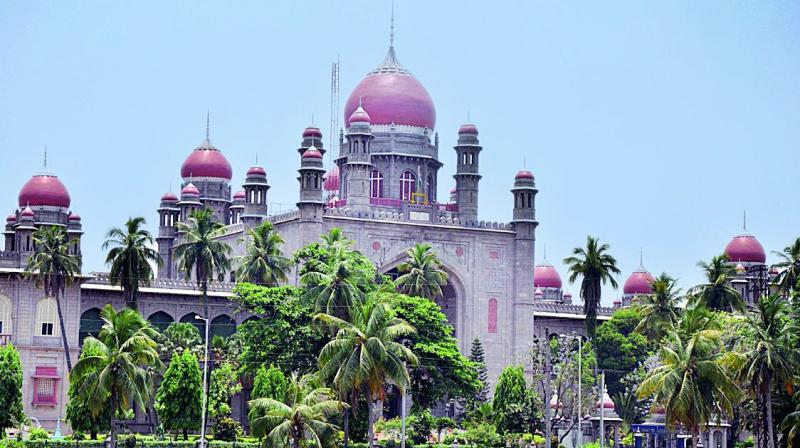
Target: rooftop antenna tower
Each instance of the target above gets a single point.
(334, 110)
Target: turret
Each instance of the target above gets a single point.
(190, 201)
(237, 208)
(74, 232)
(312, 136)
(311, 177)
(524, 224)
(11, 221)
(467, 174)
(169, 213)
(356, 159)
(24, 230)
(524, 192)
(255, 190)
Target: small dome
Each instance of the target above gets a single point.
(453, 190)
(312, 153)
(639, 282)
(190, 190)
(745, 248)
(360, 116)
(11, 218)
(239, 195)
(169, 197)
(312, 131)
(27, 213)
(567, 295)
(43, 190)
(608, 403)
(538, 293)
(524, 174)
(206, 161)
(554, 403)
(546, 276)
(332, 179)
(469, 129)
(256, 171)
(74, 217)
(740, 268)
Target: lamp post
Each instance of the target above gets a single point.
(205, 385)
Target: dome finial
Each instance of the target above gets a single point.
(391, 28)
(45, 156)
(744, 220)
(208, 124)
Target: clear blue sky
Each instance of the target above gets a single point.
(648, 124)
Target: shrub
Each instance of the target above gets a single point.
(420, 426)
(227, 429)
(483, 435)
(130, 442)
(39, 434)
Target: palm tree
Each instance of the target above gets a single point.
(264, 263)
(769, 356)
(180, 336)
(659, 311)
(789, 265)
(691, 382)
(304, 414)
(365, 354)
(422, 275)
(53, 268)
(596, 267)
(120, 369)
(333, 287)
(717, 294)
(131, 257)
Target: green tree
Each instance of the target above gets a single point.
(263, 263)
(131, 258)
(282, 334)
(270, 383)
(121, 371)
(180, 394)
(509, 393)
(769, 356)
(303, 416)
(788, 266)
(791, 424)
(79, 414)
(180, 336)
(365, 354)
(691, 382)
(421, 275)
(476, 355)
(659, 311)
(596, 267)
(224, 385)
(10, 389)
(53, 266)
(442, 372)
(618, 348)
(717, 294)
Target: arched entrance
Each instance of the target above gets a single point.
(160, 320)
(222, 325)
(90, 324)
(199, 324)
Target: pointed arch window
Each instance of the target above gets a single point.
(376, 184)
(492, 316)
(408, 185)
(5, 315)
(46, 317)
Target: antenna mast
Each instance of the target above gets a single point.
(334, 110)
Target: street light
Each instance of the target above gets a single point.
(205, 385)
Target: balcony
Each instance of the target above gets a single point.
(5, 339)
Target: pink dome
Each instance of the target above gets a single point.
(360, 116)
(567, 295)
(44, 189)
(546, 276)
(206, 161)
(74, 217)
(392, 94)
(169, 197)
(11, 218)
(468, 129)
(240, 195)
(312, 153)
(608, 403)
(745, 248)
(27, 213)
(524, 174)
(452, 190)
(312, 131)
(639, 282)
(256, 171)
(190, 190)
(332, 179)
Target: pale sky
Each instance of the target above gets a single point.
(648, 124)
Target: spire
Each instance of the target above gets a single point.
(391, 28)
(641, 257)
(208, 125)
(45, 157)
(744, 221)
(390, 63)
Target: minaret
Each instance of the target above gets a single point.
(24, 230)
(312, 136)
(467, 174)
(524, 224)
(255, 203)
(74, 232)
(168, 215)
(11, 221)
(357, 160)
(311, 177)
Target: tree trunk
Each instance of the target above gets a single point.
(63, 332)
(93, 434)
(113, 432)
(695, 438)
(204, 288)
(370, 421)
(768, 405)
(347, 428)
(185, 434)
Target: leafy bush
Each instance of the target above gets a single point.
(130, 442)
(39, 434)
(420, 426)
(227, 429)
(11, 443)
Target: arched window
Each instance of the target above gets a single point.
(199, 324)
(160, 320)
(408, 185)
(431, 189)
(222, 325)
(492, 316)
(5, 315)
(46, 317)
(90, 324)
(376, 184)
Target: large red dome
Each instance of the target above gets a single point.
(391, 94)
(745, 248)
(206, 161)
(546, 276)
(639, 282)
(44, 189)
